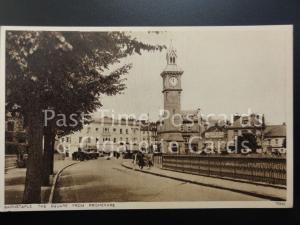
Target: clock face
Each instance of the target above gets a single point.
(173, 81)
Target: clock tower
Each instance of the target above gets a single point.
(170, 133)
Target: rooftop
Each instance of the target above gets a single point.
(275, 131)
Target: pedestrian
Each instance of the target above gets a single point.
(140, 159)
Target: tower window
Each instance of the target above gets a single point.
(172, 60)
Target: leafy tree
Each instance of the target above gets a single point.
(66, 72)
(247, 139)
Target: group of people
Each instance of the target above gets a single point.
(142, 159)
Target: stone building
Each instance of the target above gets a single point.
(214, 139)
(108, 134)
(15, 134)
(253, 124)
(275, 139)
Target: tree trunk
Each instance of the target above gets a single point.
(52, 154)
(46, 167)
(33, 181)
(48, 156)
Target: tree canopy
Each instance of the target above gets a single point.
(66, 71)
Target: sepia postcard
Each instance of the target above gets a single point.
(146, 117)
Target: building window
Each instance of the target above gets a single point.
(115, 140)
(126, 131)
(276, 141)
(89, 140)
(96, 128)
(62, 140)
(121, 131)
(114, 129)
(80, 139)
(174, 147)
(126, 140)
(22, 140)
(10, 126)
(97, 140)
(245, 121)
(67, 139)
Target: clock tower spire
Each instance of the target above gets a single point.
(171, 76)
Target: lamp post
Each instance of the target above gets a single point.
(148, 135)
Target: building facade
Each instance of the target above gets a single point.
(15, 134)
(245, 125)
(275, 139)
(214, 139)
(107, 135)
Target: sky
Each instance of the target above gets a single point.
(227, 70)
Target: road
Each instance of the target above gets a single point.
(107, 181)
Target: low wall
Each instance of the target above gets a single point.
(258, 169)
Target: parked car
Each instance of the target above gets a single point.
(101, 154)
(92, 153)
(85, 154)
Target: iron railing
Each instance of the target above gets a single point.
(257, 169)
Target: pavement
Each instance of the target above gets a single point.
(104, 180)
(15, 182)
(259, 190)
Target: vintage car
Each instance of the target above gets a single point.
(92, 153)
(85, 154)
